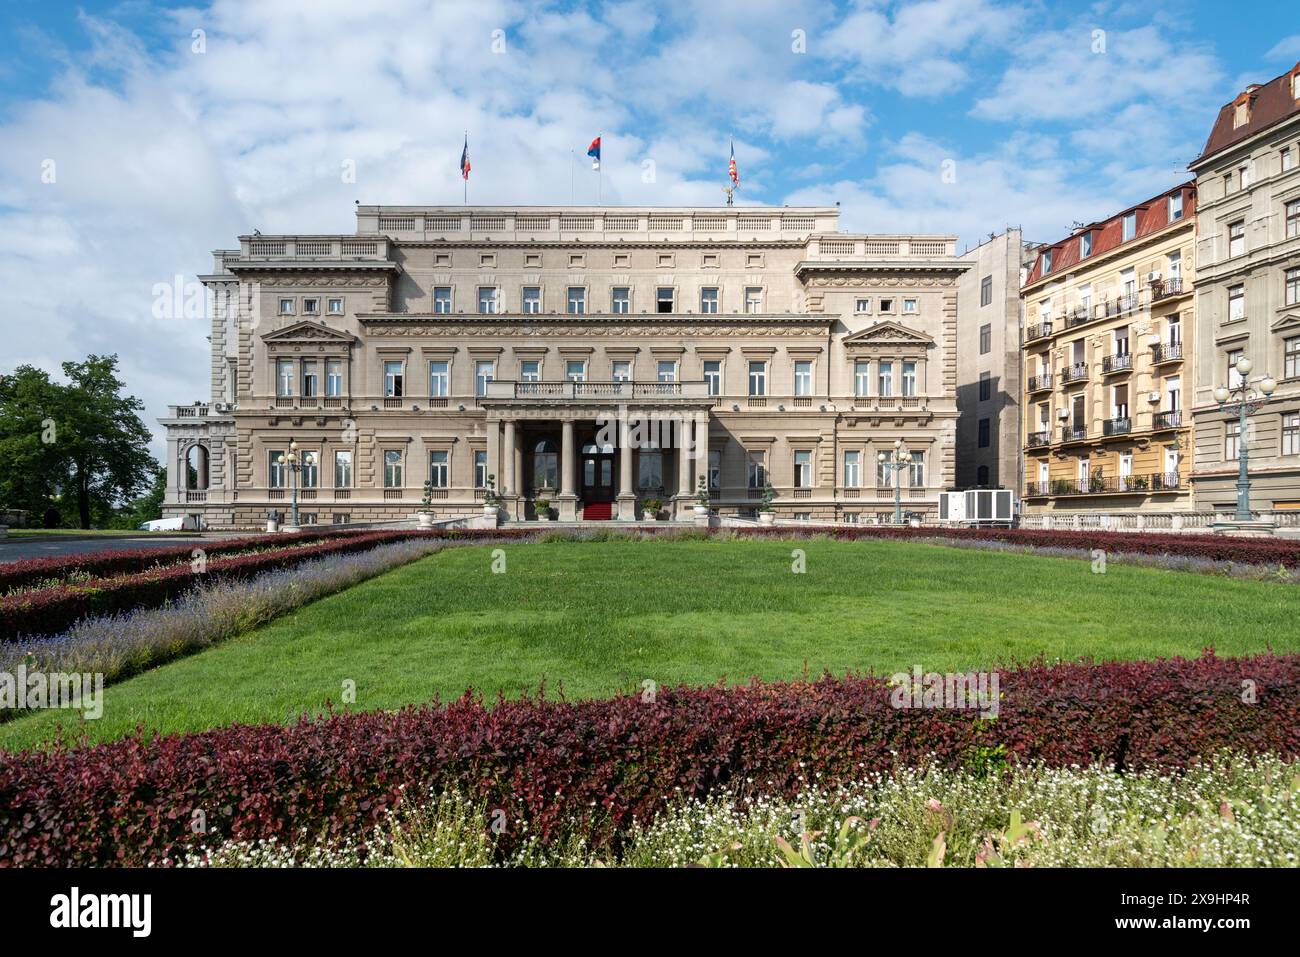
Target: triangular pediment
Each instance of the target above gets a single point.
(888, 334)
(1290, 320)
(308, 331)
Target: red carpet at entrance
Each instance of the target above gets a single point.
(597, 512)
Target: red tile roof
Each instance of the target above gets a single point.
(1269, 104)
(1152, 216)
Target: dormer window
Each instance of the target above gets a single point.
(1130, 227)
(1175, 207)
(1085, 244)
(1295, 85)
(1241, 114)
(1047, 262)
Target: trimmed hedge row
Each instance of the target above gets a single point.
(606, 763)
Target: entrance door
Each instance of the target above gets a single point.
(597, 476)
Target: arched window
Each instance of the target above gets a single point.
(196, 468)
(982, 475)
(546, 465)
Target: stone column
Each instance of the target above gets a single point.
(508, 483)
(684, 482)
(494, 450)
(626, 497)
(702, 454)
(568, 499)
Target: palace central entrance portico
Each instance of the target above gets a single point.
(596, 450)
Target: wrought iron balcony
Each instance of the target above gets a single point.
(1039, 331)
(1074, 372)
(1040, 383)
(1074, 433)
(1079, 315)
(1120, 362)
(1037, 489)
(1172, 419)
(1167, 352)
(1037, 440)
(1120, 425)
(1164, 288)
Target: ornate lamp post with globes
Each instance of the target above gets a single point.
(1244, 401)
(901, 460)
(295, 466)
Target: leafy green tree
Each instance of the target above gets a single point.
(79, 447)
(146, 508)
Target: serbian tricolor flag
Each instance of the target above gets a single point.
(464, 161)
(731, 167)
(594, 152)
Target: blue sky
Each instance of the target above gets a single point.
(166, 147)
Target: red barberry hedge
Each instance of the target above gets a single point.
(604, 763)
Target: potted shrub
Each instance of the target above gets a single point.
(542, 507)
(425, 514)
(650, 508)
(491, 501)
(767, 514)
(702, 497)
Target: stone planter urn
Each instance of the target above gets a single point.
(489, 511)
(766, 518)
(701, 511)
(425, 519)
(272, 525)
(915, 522)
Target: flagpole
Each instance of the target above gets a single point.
(464, 180)
(599, 172)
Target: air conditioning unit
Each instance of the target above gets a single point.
(1153, 276)
(1153, 396)
(1153, 340)
(1062, 413)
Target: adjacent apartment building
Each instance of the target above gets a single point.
(599, 358)
(1248, 294)
(990, 317)
(1108, 351)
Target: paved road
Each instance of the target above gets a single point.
(13, 550)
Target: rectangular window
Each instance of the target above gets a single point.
(439, 378)
(1175, 266)
(530, 370)
(277, 469)
(1234, 377)
(577, 300)
(442, 300)
(311, 307)
(284, 377)
(757, 478)
(286, 307)
(909, 378)
(532, 300)
(1288, 159)
(620, 300)
(916, 468)
(909, 305)
(336, 306)
(666, 370)
(709, 300)
(1129, 228)
(439, 470)
(803, 377)
(984, 436)
(885, 379)
(1128, 280)
(986, 386)
(310, 378)
(664, 299)
(886, 305)
(852, 469)
(484, 372)
(803, 470)
(1085, 245)
(392, 468)
(480, 468)
(333, 377)
(1291, 434)
(986, 291)
(622, 370)
(393, 379)
(1247, 174)
(884, 470)
(862, 378)
(1236, 303)
(1293, 218)
(1237, 238)
(713, 375)
(575, 370)
(310, 468)
(1291, 358)
(715, 468)
(1293, 286)
(757, 377)
(753, 299)
(651, 470)
(487, 300)
(862, 305)
(1175, 207)
(986, 339)
(343, 468)
(1231, 441)
(1047, 261)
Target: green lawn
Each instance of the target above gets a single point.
(596, 618)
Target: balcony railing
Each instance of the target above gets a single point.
(1037, 440)
(569, 390)
(1108, 485)
(1164, 288)
(1040, 383)
(1074, 433)
(1172, 419)
(1120, 425)
(1167, 352)
(1124, 304)
(1120, 362)
(1079, 315)
(1075, 372)
(1037, 489)
(1039, 331)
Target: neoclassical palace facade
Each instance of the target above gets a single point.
(598, 358)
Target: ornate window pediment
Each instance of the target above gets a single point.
(307, 332)
(887, 335)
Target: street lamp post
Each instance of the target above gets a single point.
(1244, 401)
(291, 460)
(901, 460)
